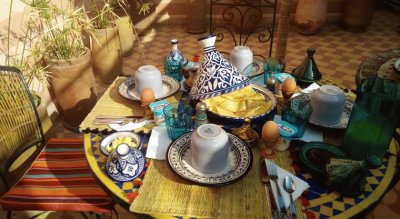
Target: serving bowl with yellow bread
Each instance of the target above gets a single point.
(253, 101)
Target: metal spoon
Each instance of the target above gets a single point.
(288, 185)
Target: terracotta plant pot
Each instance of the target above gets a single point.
(310, 16)
(106, 52)
(358, 15)
(73, 88)
(196, 16)
(125, 30)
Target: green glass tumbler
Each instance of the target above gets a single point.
(374, 118)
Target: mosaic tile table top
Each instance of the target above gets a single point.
(124, 192)
(321, 202)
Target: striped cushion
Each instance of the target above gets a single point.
(59, 180)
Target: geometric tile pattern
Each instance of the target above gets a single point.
(129, 187)
(325, 203)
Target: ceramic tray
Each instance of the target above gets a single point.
(179, 159)
(128, 90)
(132, 139)
(255, 70)
(345, 115)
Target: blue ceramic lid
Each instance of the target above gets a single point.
(216, 75)
(286, 129)
(281, 77)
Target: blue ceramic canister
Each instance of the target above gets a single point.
(286, 131)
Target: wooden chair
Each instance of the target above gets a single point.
(59, 178)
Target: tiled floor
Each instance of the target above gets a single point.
(338, 55)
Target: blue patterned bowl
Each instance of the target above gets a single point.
(216, 75)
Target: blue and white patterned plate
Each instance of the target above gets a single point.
(128, 90)
(179, 159)
(125, 168)
(344, 121)
(255, 69)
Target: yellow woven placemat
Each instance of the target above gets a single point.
(112, 103)
(164, 193)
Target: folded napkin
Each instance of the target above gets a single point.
(131, 126)
(158, 143)
(300, 185)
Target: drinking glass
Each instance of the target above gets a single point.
(374, 118)
(297, 112)
(178, 119)
(272, 66)
(173, 67)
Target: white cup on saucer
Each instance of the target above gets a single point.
(241, 57)
(210, 146)
(148, 76)
(328, 105)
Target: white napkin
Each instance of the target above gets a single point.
(300, 185)
(130, 126)
(158, 143)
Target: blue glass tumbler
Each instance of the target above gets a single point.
(178, 119)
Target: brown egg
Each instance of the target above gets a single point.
(147, 96)
(270, 131)
(289, 87)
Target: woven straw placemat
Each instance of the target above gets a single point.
(164, 193)
(113, 104)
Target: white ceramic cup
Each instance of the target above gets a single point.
(210, 146)
(241, 57)
(149, 76)
(328, 105)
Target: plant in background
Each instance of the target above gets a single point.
(144, 6)
(51, 32)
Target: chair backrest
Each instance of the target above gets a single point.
(242, 20)
(20, 126)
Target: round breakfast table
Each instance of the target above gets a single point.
(318, 202)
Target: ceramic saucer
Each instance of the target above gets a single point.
(179, 159)
(125, 168)
(396, 65)
(128, 90)
(348, 106)
(112, 141)
(255, 69)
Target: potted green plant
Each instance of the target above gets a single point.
(143, 15)
(58, 45)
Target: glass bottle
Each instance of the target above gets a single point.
(174, 62)
(307, 72)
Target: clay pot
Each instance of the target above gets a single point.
(358, 15)
(106, 51)
(73, 88)
(196, 16)
(310, 16)
(125, 30)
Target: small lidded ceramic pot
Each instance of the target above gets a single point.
(210, 146)
(328, 105)
(241, 57)
(149, 76)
